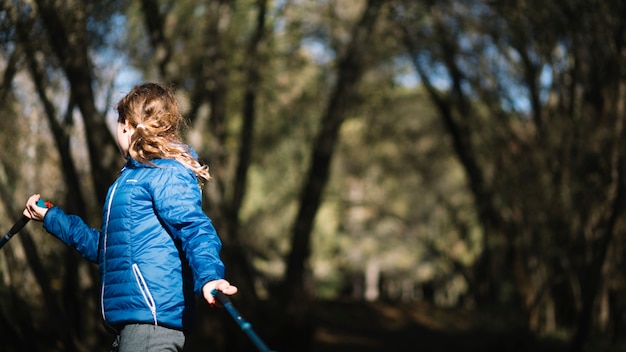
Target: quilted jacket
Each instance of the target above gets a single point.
(155, 248)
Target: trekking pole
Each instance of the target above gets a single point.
(243, 324)
(19, 224)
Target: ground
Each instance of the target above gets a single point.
(356, 326)
(373, 327)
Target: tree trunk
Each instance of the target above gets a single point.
(294, 294)
(350, 70)
(73, 55)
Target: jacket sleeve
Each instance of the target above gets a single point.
(178, 202)
(73, 231)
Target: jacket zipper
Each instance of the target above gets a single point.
(104, 254)
(145, 291)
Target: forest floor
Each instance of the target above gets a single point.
(372, 327)
(356, 326)
(420, 327)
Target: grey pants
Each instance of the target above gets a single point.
(148, 338)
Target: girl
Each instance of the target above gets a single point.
(156, 246)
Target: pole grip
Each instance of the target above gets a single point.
(220, 297)
(19, 224)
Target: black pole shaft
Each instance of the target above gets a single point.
(19, 224)
(243, 324)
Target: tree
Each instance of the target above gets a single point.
(350, 69)
(68, 39)
(530, 120)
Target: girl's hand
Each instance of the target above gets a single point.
(32, 210)
(220, 285)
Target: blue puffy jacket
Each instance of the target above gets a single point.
(156, 246)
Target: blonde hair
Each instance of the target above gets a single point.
(152, 111)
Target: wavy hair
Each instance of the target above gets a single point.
(152, 110)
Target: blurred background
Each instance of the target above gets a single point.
(407, 175)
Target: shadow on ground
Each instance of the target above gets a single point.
(355, 326)
(376, 327)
